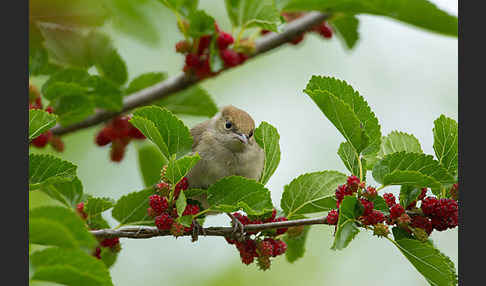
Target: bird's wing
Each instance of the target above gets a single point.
(197, 132)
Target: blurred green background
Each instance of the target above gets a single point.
(408, 76)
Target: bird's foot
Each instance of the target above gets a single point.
(238, 227)
(196, 229)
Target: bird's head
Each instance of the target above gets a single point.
(235, 128)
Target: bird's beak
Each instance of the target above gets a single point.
(242, 137)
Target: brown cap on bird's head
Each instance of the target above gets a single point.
(241, 120)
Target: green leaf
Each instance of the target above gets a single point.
(166, 129)
(95, 206)
(253, 13)
(38, 60)
(108, 256)
(72, 46)
(68, 90)
(39, 122)
(60, 89)
(133, 19)
(44, 169)
(350, 158)
(150, 131)
(311, 193)
(150, 161)
(185, 220)
(73, 109)
(91, 89)
(184, 7)
(400, 233)
(410, 168)
(267, 137)
(343, 118)
(69, 267)
(68, 193)
(346, 228)
(105, 94)
(436, 267)
(408, 194)
(369, 161)
(234, 193)
(195, 192)
(379, 204)
(69, 75)
(112, 66)
(359, 126)
(420, 13)
(181, 204)
(446, 143)
(200, 24)
(66, 44)
(192, 101)
(97, 222)
(178, 169)
(132, 208)
(296, 245)
(347, 30)
(397, 142)
(215, 62)
(413, 178)
(59, 226)
(145, 80)
(90, 13)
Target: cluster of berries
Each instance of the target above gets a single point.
(443, 213)
(262, 247)
(165, 216)
(369, 216)
(119, 132)
(322, 29)
(164, 212)
(438, 214)
(35, 102)
(198, 54)
(112, 243)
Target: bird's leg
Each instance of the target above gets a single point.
(196, 229)
(238, 228)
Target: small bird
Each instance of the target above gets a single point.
(227, 147)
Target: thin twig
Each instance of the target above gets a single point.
(148, 231)
(183, 81)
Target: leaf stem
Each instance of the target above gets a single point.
(202, 212)
(118, 226)
(238, 38)
(180, 24)
(33, 187)
(392, 241)
(360, 169)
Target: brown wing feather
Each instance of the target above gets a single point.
(197, 132)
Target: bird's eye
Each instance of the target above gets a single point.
(251, 134)
(228, 125)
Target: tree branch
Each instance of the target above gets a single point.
(183, 81)
(148, 231)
